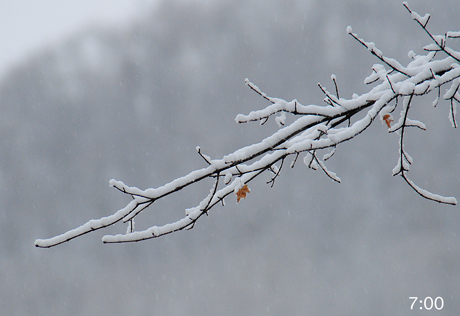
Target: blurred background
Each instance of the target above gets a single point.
(129, 93)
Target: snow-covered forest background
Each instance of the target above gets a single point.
(133, 102)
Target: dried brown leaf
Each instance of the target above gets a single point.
(388, 119)
(242, 193)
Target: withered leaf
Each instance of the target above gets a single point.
(388, 119)
(242, 193)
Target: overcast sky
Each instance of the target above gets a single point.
(28, 25)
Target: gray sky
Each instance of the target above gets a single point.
(29, 25)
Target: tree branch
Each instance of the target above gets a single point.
(315, 128)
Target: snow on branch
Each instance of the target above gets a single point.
(314, 129)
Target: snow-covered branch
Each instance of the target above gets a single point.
(314, 129)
